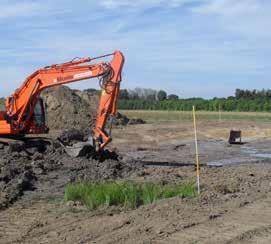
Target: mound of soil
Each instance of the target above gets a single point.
(43, 166)
(70, 136)
(121, 119)
(67, 108)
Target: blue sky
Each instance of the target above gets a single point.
(197, 48)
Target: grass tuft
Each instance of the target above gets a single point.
(124, 194)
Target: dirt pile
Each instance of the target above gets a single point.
(43, 166)
(67, 108)
(70, 136)
(121, 119)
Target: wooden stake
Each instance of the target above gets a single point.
(196, 146)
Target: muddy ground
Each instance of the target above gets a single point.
(234, 205)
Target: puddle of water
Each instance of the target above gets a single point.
(249, 151)
(214, 164)
(223, 162)
(253, 152)
(262, 155)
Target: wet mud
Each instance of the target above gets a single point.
(28, 166)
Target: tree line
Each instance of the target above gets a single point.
(253, 94)
(242, 100)
(150, 99)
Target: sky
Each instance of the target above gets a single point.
(192, 48)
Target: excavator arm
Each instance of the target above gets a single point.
(21, 105)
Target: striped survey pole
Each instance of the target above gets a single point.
(196, 147)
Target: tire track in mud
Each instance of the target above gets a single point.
(51, 223)
(17, 225)
(13, 229)
(249, 224)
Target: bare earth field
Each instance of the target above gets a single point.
(234, 206)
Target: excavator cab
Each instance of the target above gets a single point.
(39, 113)
(38, 119)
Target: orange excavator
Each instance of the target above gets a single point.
(25, 113)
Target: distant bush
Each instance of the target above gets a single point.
(172, 97)
(161, 95)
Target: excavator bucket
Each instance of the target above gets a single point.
(74, 145)
(81, 149)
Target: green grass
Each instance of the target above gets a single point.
(124, 194)
(152, 116)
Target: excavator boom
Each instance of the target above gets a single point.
(24, 104)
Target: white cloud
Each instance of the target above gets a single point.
(230, 7)
(13, 9)
(112, 4)
(246, 18)
(19, 9)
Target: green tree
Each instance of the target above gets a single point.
(161, 95)
(172, 97)
(124, 94)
